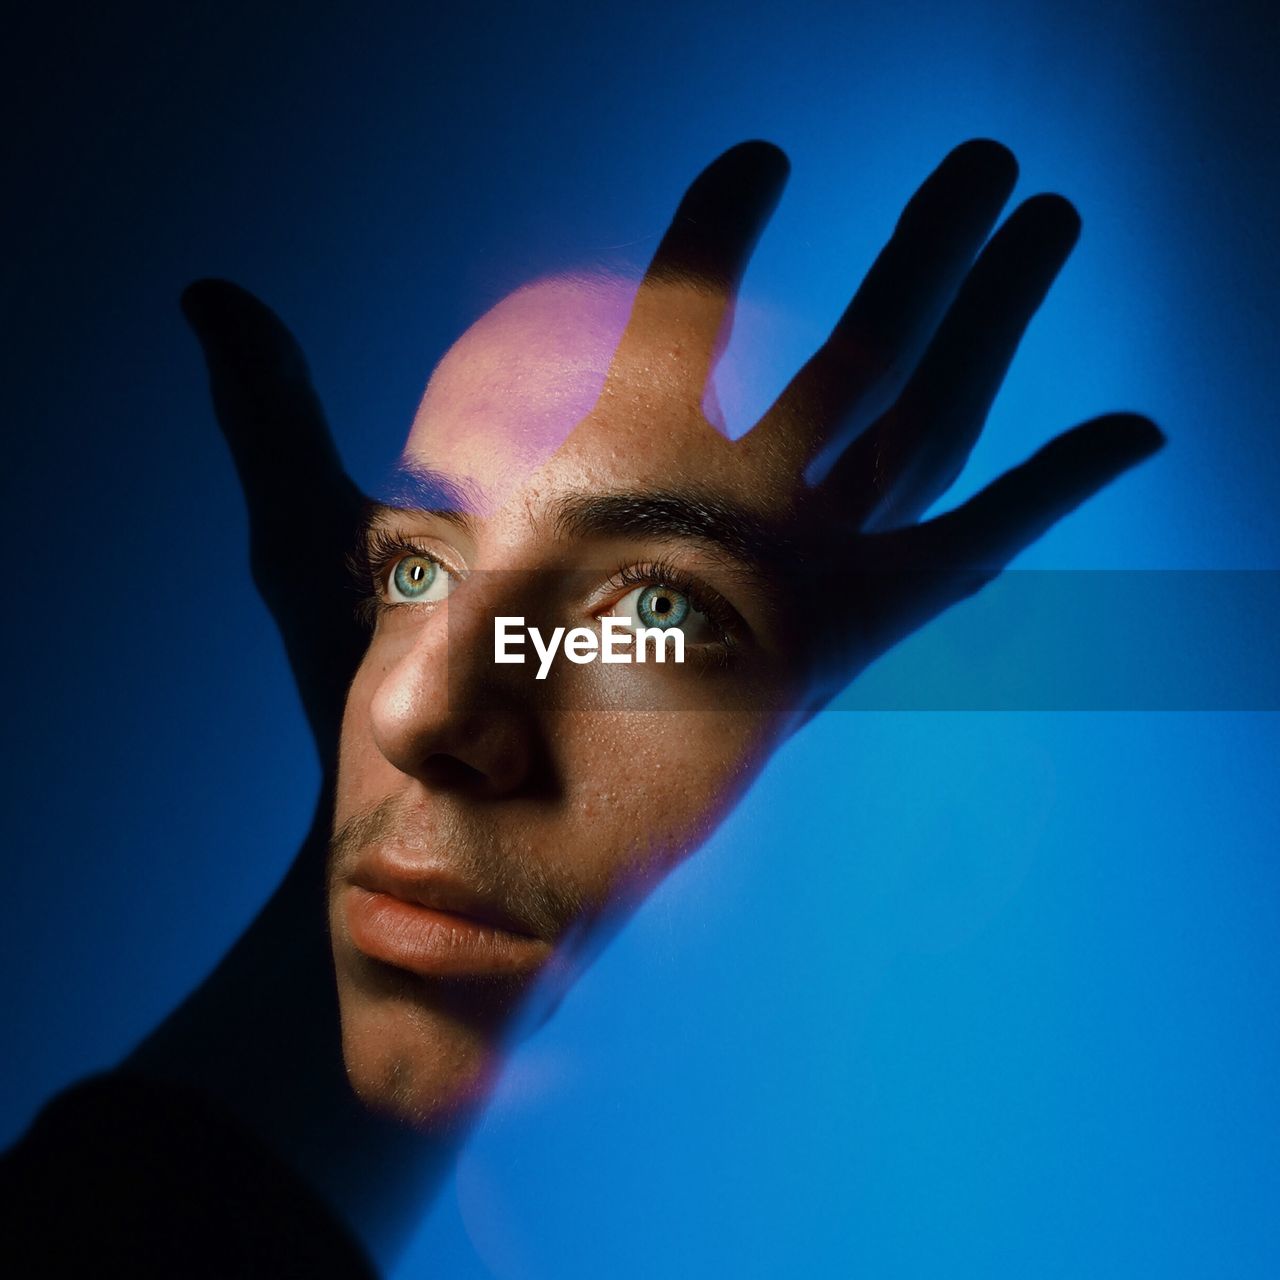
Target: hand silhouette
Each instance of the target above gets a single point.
(882, 418)
(870, 432)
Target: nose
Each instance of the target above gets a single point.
(441, 713)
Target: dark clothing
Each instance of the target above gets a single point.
(126, 1176)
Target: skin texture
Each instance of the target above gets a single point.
(564, 801)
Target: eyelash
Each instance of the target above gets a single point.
(379, 549)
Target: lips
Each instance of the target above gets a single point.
(430, 923)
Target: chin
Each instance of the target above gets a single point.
(423, 1055)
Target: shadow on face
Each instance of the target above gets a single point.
(492, 816)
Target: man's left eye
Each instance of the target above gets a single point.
(663, 608)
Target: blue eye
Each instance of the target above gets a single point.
(662, 607)
(415, 579)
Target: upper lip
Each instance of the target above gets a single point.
(431, 883)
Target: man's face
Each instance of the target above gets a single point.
(484, 816)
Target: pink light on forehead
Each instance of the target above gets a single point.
(512, 388)
(521, 377)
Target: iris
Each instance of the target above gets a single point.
(414, 575)
(660, 606)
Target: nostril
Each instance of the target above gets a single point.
(445, 770)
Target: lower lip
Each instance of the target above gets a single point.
(435, 944)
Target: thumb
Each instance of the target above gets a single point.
(298, 494)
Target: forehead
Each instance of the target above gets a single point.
(537, 399)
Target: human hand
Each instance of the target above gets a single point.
(881, 420)
(887, 411)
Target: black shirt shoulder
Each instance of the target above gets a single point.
(127, 1175)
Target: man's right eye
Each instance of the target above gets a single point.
(416, 579)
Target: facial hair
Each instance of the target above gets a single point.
(544, 905)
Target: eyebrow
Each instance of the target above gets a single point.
(669, 514)
(411, 486)
(688, 515)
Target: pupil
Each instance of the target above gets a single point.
(662, 605)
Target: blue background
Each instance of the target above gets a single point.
(950, 994)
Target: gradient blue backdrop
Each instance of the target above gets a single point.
(952, 994)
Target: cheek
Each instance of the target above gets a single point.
(653, 786)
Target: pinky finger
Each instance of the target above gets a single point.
(991, 528)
